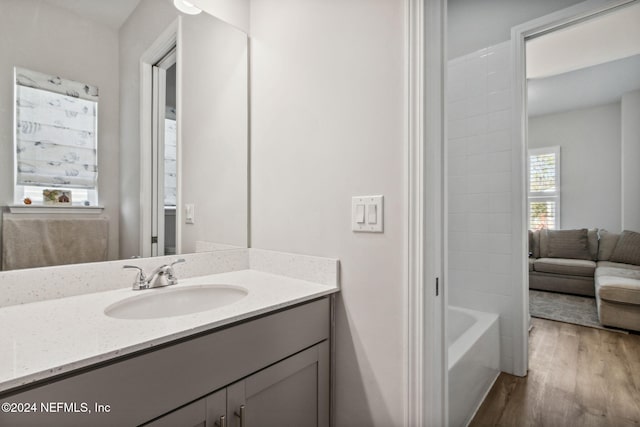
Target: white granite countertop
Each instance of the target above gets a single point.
(43, 339)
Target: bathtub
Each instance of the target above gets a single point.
(474, 360)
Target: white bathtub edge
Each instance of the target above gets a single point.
(475, 411)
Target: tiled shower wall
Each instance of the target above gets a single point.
(479, 187)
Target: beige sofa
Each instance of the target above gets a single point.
(593, 263)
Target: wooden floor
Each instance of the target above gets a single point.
(578, 376)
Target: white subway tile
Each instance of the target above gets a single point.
(457, 260)
(498, 243)
(500, 100)
(477, 86)
(457, 129)
(457, 184)
(500, 182)
(479, 183)
(477, 203)
(500, 223)
(457, 222)
(499, 264)
(457, 147)
(478, 222)
(498, 81)
(500, 120)
(458, 204)
(477, 263)
(498, 59)
(457, 165)
(456, 90)
(499, 141)
(457, 241)
(499, 162)
(477, 125)
(476, 68)
(500, 202)
(457, 110)
(477, 163)
(477, 144)
(476, 105)
(477, 242)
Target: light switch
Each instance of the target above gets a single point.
(360, 214)
(189, 213)
(372, 214)
(367, 214)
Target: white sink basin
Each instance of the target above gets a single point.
(168, 302)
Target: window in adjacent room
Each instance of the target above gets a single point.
(544, 188)
(55, 138)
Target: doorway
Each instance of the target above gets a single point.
(164, 156)
(578, 77)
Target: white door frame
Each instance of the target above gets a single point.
(426, 371)
(519, 34)
(158, 50)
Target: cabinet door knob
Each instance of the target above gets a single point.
(222, 422)
(240, 415)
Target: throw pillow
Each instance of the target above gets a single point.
(572, 244)
(606, 244)
(627, 250)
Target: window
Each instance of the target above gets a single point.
(55, 139)
(544, 188)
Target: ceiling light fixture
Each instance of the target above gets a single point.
(186, 7)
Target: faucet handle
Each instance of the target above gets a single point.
(140, 278)
(177, 261)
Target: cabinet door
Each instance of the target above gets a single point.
(192, 415)
(293, 393)
(217, 409)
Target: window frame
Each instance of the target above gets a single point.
(21, 191)
(545, 196)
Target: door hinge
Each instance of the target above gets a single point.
(154, 239)
(437, 286)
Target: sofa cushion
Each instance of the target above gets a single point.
(627, 249)
(531, 245)
(531, 262)
(618, 289)
(606, 244)
(573, 267)
(572, 244)
(609, 264)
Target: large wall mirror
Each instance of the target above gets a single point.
(135, 116)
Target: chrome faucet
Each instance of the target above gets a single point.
(161, 276)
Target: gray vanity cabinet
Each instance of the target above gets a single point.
(275, 367)
(293, 392)
(207, 412)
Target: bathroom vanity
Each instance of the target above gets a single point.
(259, 361)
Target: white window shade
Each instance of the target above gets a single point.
(544, 188)
(55, 131)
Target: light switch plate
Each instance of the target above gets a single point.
(369, 225)
(189, 213)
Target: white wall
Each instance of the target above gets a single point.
(474, 24)
(589, 141)
(328, 124)
(137, 34)
(234, 12)
(214, 131)
(630, 122)
(479, 189)
(45, 38)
